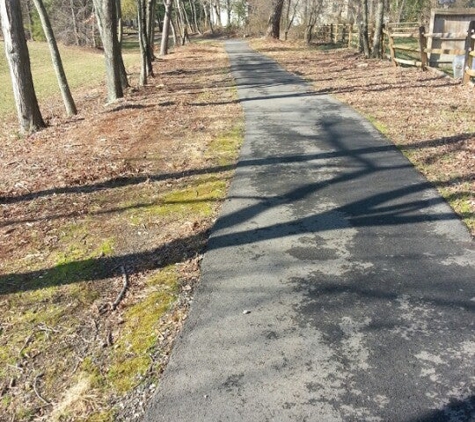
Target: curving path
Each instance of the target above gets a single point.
(337, 285)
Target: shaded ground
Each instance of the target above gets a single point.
(428, 116)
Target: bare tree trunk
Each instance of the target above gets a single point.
(180, 21)
(287, 20)
(217, 12)
(151, 31)
(120, 24)
(56, 58)
(141, 20)
(400, 11)
(166, 27)
(120, 33)
(273, 27)
(364, 28)
(195, 17)
(228, 12)
(75, 22)
(174, 31)
(93, 33)
(30, 20)
(107, 19)
(187, 20)
(378, 30)
(18, 58)
(290, 17)
(206, 10)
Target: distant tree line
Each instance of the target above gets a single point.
(100, 23)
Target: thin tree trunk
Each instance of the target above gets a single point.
(187, 20)
(174, 31)
(290, 18)
(228, 12)
(141, 20)
(195, 17)
(179, 16)
(75, 22)
(18, 58)
(151, 31)
(217, 13)
(364, 28)
(166, 27)
(120, 24)
(378, 30)
(93, 33)
(400, 11)
(107, 19)
(287, 19)
(56, 58)
(273, 27)
(30, 20)
(206, 10)
(124, 81)
(309, 33)
(210, 15)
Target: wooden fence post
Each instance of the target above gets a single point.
(423, 48)
(470, 51)
(350, 35)
(391, 48)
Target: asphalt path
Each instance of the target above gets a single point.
(337, 284)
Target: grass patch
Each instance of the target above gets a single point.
(153, 187)
(130, 360)
(84, 68)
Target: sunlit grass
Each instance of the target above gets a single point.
(84, 68)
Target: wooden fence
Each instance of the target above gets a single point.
(412, 44)
(470, 54)
(336, 34)
(407, 43)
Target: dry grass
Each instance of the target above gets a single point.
(119, 195)
(84, 69)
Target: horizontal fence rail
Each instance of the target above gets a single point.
(412, 43)
(407, 43)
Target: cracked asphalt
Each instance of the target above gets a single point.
(337, 284)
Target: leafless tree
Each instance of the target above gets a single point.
(107, 19)
(166, 27)
(18, 58)
(56, 59)
(273, 24)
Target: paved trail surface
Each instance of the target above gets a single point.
(358, 280)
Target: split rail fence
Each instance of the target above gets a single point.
(411, 42)
(407, 43)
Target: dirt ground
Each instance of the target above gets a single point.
(119, 197)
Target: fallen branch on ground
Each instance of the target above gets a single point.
(121, 295)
